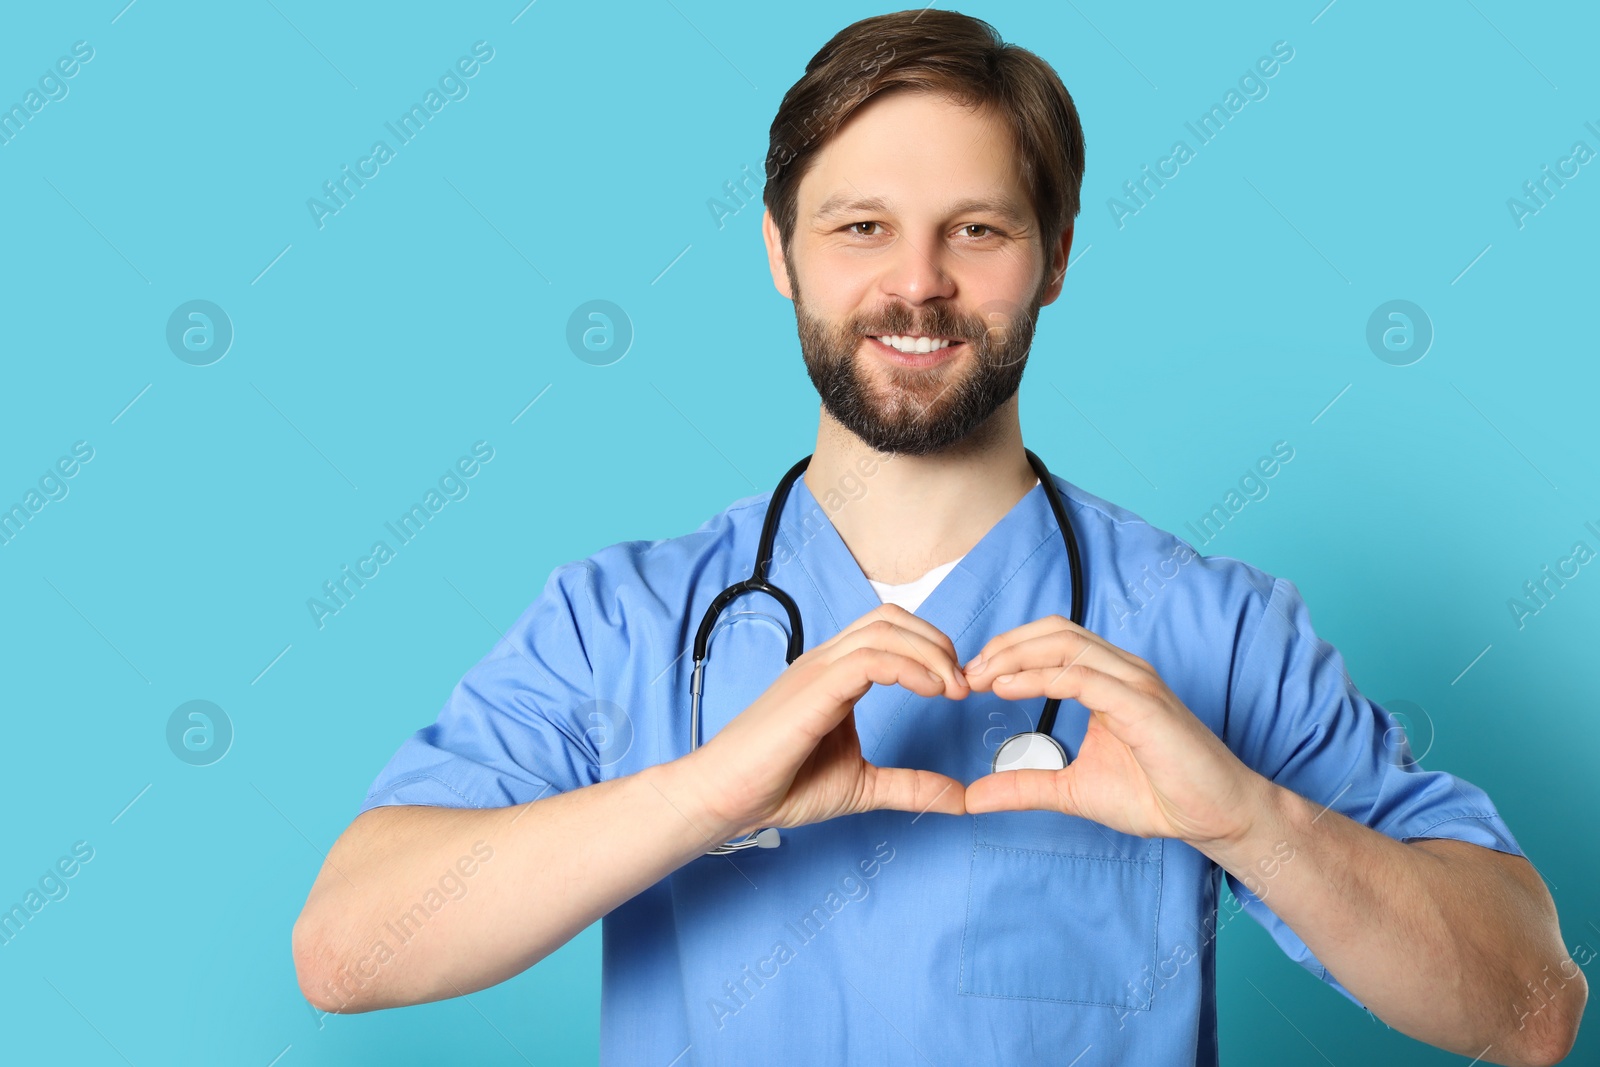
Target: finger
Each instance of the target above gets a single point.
(938, 657)
(900, 789)
(810, 700)
(1050, 624)
(1120, 704)
(846, 680)
(905, 620)
(1057, 649)
(1114, 649)
(1047, 625)
(1019, 791)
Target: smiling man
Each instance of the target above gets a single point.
(921, 905)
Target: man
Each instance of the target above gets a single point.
(923, 180)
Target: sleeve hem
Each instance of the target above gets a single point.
(1489, 827)
(390, 788)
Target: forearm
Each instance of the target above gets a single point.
(1441, 940)
(379, 929)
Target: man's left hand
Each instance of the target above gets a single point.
(1147, 765)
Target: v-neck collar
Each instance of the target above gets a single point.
(812, 562)
(817, 551)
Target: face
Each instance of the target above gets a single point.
(917, 272)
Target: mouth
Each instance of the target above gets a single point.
(916, 350)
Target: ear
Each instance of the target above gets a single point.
(1060, 252)
(775, 257)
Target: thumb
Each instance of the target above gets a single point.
(1019, 791)
(901, 789)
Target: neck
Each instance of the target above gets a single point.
(912, 513)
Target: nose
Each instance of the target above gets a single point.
(915, 272)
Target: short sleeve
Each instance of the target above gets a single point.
(1295, 717)
(514, 727)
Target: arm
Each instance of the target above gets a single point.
(541, 873)
(1439, 938)
(1449, 942)
(459, 899)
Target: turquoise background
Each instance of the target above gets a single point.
(431, 310)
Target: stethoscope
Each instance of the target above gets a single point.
(1033, 750)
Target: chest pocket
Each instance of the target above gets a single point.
(1060, 908)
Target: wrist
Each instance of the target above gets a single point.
(688, 784)
(1264, 829)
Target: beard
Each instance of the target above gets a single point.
(918, 411)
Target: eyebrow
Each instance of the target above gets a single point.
(841, 205)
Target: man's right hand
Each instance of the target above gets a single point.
(793, 757)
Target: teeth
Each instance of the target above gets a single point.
(911, 344)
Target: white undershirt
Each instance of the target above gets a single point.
(910, 595)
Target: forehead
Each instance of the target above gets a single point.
(916, 153)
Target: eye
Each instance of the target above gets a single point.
(989, 230)
(858, 233)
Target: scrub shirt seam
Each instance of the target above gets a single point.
(966, 922)
(592, 576)
(1044, 540)
(1244, 656)
(815, 588)
(1449, 818)
(1074, 856)
(426, 777)
(1155, 931)
(1058, 1000)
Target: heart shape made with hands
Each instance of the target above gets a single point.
(1146, 766)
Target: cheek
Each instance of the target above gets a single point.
(1009, 276)
(1022, 270)
(836, 319)
(836, 285)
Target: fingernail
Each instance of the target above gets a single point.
(935, 677)
(1005, 678)
(976, 665)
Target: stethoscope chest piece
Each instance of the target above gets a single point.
(1031, 751)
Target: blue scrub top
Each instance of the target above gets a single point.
(889, 937)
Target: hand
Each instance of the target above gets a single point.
(1147, 765)
(793, 756)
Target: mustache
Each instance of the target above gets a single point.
(937, 322)
(998, 332)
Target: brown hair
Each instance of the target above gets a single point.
(942, 52)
